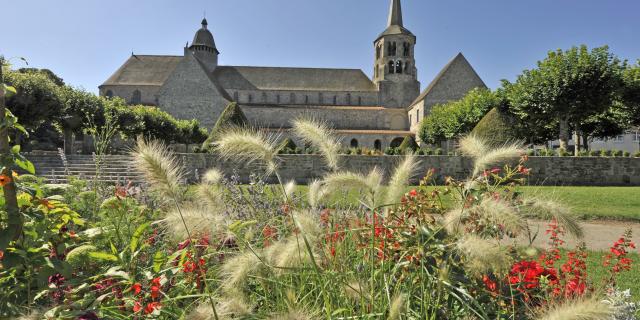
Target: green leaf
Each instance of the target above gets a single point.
(158, 261)
(136, 236)
(103, 256)
(15, 149)
(9, 90)
(26, 165)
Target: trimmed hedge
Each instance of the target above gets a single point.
(231, 116)
(496, 128)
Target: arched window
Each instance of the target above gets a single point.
(109, 94)
(396, 142)
(392, 67)
(250, 98)
(354, 143)
(236, 96)
(377, 145)
(277, 98)
(264, 97)
(378, 52)
(306, 99)
(393, 49)
(335, 100)
(348, 99)
(320, 98)
(406, 49)
(375, 72)
(398, 66)
(292, 98)
(406, 68)
(359, 101)
(136, 98)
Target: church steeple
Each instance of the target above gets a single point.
(395, 70)
(395, 14)
(204, 47)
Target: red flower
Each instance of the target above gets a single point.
(490, 284)
(495, 170)
(156, 281)
(413, 193)
(136, 306)
(136, 288)
(155, 292)
(4, 180)
(151, 307)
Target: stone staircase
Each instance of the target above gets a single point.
(115, 168)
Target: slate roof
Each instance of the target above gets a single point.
(204, 37)
(394, 24)
(279, 78)
(458, 61)
(147, 70)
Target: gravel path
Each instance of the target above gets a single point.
(598, 235)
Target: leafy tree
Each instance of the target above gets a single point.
(456, 118)
(631, 93)
(568, 87)
(409, 143)
(37, 100)
(48, 73)
(231, 116)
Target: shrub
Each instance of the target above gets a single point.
(605, 153)
(496, 127)
(616, 153)
(409, 143)
(563, 153)
(438, 152)
(420, 152)
(627, 154)
(531, 152)
(583, 153)
(594, 153)
(389, 151)
(231, 116)
(287, 146)
(637, 154)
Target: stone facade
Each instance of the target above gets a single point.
(194, 86)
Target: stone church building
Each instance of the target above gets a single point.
(373, 113)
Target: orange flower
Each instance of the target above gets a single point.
(4, 180)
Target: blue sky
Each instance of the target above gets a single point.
(85, 41)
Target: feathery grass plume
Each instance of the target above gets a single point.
(496, 156)
(400, 178)
(308, 225)
(586, 309)
(454, 219)
(370, 183)
(294, 314)
(473, 146)
(483, 255)
(289, 188)
(317, 192)
(197, 221)
(500, 212)
(397, 308)
(231, 306)
(549, 209)
(209, 189)
(321, 137)
(248, 145)
(235, 270)
(289, 253)
(159, 166)
(356, 291)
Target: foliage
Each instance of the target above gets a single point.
(231, 116)
(456, 118)
(496, 128)
(568, 87)
(408, 143)
(287, 146)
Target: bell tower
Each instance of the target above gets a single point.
(204, 47)
(395, 70)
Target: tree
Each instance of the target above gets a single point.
(456, 118)
(497, 128)
(232, 116)
(48, 73)
(630, 97)
(409, 143)
(37, 99)
(569, 87)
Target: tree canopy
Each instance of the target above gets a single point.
(456, 118)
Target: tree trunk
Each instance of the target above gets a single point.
(16, 221)
(564, 133)
(585, 141)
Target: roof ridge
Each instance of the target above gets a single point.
(281, 67)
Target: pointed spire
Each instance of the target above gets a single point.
(395, 14)
(204, 23)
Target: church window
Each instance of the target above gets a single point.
(410, 119)
(348, 99)
(109, 94)
(406, 67)
(406, 48)
(418, 115)
(359, 101)
(354, 143)
(277, 98)
(235, 96)
(320, 98)
(377, 145)
(335, 100)
(378, 52)
(392, 67)
(250, 98)
(392, 49)
(306, 99)
(375, 72)
(136, 98)
(264, 97)
(398, 66)
(292, 98)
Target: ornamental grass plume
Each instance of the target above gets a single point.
(249, 145)
(294, 314)
(584, 309)
(210, 189)
(320, 136)
(400, 178)
(491, 211)
(235, 270)
(194, 219)
(356, 290)
(397, 307)
(316, 193)
(230, 306)
(484, 156)
(371, 184)
(288, 189)
(159, 166)
(548, 209)
(483, 255)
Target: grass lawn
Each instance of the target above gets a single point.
(626, 280)
(611, 203)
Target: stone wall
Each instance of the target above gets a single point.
(580, 171)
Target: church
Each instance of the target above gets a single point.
(372, 113)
